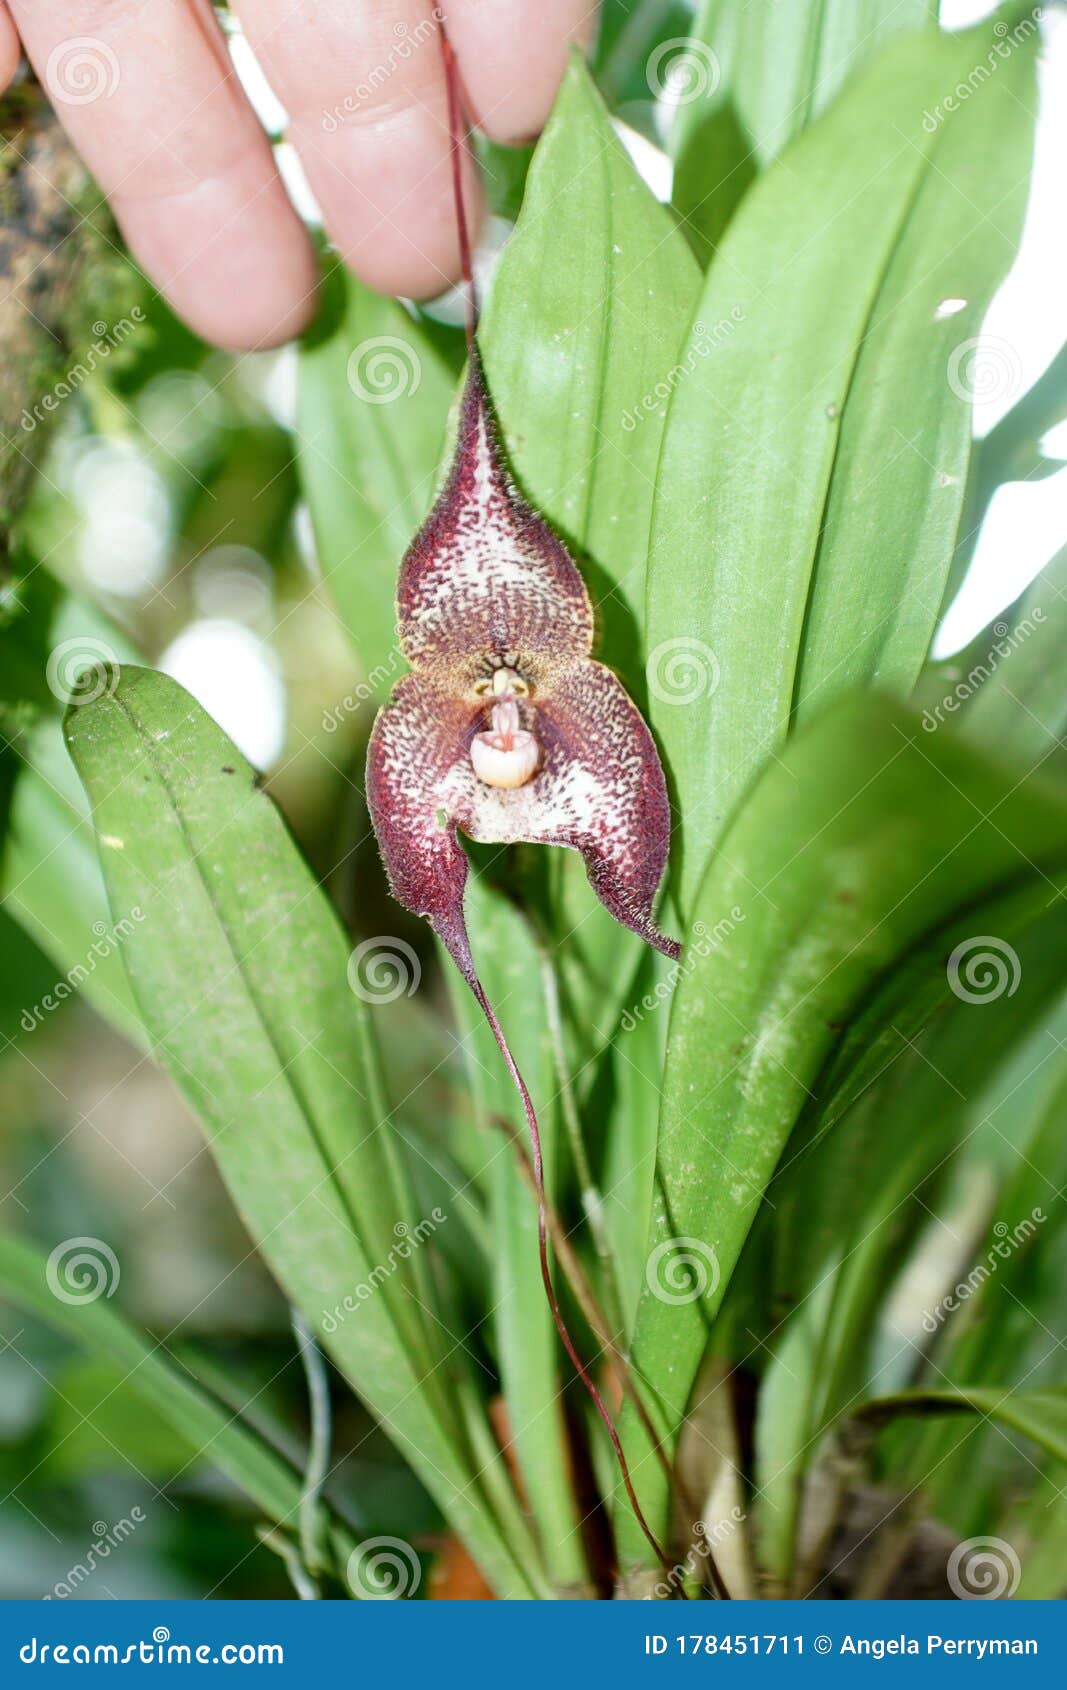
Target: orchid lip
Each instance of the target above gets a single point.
(506, 755)
(510, 766)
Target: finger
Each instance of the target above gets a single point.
(512, 54)
(150, 100)
(9, 49)
(363, 83)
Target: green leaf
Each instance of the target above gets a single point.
(845, 1211)
(373, 402)
(96, 1425)
(750, 79)
(778, 67)
(1038, 1523)
(630, 1151)
(1006, 688)
(626, 36)
(50, 876)
(713, 172)
(865, 843)
(162, 1386)
(990, 1320)
(897, 492)
(239, 968)
(1038, 1415)
(1011, 451)
(590, 303)
(771, 477)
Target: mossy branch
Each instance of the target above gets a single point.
(63, 273)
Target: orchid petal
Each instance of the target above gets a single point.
(599, 790)
(418, 738)
(485, 577)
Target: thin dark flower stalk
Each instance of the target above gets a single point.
(546, 1277)
(586, 1298)
(457, 136)
(592, 1205)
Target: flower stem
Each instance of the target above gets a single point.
(546, 1277)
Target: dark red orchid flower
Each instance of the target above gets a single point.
(507, 730)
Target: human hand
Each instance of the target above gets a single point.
(148, 94)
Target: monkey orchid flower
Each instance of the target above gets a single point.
(507, 730)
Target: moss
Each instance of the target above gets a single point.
(63, 260)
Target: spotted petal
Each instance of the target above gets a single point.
(486, 582)
(599, 789)
(419, 738)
